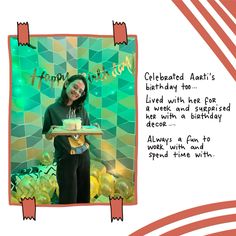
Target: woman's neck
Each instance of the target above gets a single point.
(69, 103)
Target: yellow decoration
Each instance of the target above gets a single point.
(26, 187)
(47, 185)
(116, 195)
(94, 186)
(107, 183)
(107, 190)
(118, 69)
(94, 172)
(42, 197)
(97, 168)
(130, 199)
(107, 179)
(124, 187)
(46, 159)
(53, 181)
(14, 199)
(92, 200)
(57, 190)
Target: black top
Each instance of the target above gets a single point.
(54, 115)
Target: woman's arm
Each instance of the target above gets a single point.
(49, 135)
(47, 125)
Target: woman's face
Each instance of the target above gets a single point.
(74, 90)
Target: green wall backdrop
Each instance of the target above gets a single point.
(111, 101)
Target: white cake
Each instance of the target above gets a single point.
(72, 124)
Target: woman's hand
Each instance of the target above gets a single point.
(49, 135)
(97, 125)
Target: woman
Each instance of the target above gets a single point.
(71, 152)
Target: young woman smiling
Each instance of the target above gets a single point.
(71, 152)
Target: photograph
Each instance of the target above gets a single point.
(73, 117)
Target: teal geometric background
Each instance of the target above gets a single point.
(111, 102)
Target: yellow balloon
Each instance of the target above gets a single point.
(26, 187)
(107, 179)
(94, 186)
(92, 200)
(116, 195)
(124, 187)
(53, 181)
(45, 185)
(46, 159)
(94, 172)
(97, 168)
(14, 198)
(42, 197)
(130, 199)
(107, 190)
(57, 190)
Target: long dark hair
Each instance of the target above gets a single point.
(63, 99)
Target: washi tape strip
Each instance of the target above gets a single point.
(116, 205)
(23, 36)
(119, 33)
(28, 208)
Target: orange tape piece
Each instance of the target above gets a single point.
(28, 208)
(116, 205)
(120, 33)
(23, 36)
(23, 33)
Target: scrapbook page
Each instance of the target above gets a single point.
(118, 118)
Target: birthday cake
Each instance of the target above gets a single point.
(72, 124)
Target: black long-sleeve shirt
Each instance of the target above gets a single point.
(54, 115)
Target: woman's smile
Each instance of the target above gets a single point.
(74, 94)
(75, 90)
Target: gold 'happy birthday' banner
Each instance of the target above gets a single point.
(101, 74)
